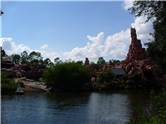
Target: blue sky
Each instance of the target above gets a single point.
(63, 26)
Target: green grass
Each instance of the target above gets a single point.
(8, 85)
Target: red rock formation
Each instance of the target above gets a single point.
(136, 52)
(137, 62)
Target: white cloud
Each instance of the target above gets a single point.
(110, 47)
(2, 40)
(128, 4)
(11, 47)
(113, 46)
(143, 29)
(44, 46)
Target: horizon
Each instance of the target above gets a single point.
(103, 31)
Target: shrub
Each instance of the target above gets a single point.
(8, 85)
(66, 76)
(106, 76)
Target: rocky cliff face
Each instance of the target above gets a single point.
(136, 52)
(137, 63)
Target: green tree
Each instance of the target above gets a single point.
(155, 10)
(16, 58)
(57, 60)
(101, 61)
(80, 62)
(24, 57)
(115, 61)
(47, 62)
(66, 76)
(3, 53)
(35, 57)
(106, 76)
(8, 86)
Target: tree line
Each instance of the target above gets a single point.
(35, 57)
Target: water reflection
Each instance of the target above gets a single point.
(108, 108)
(139, 104)
(64, 101)
(68, 108)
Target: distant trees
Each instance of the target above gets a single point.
(115, 61)
(101, 61)
(57, 60)
(32, 58)
(86, 61)
(3, 53)
(47, 62)
(35, 56)
(24, 57)
(16, 59)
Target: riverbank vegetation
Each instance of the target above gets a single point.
(71, 75)
(8, 85)
(155, 113)
(102, 75)
(66, 76)
(156, 12)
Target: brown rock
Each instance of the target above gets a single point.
(136, 52)
(137, 61)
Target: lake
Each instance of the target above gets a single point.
(73, 108)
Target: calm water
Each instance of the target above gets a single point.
(68, 108)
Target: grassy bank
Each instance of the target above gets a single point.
(8, 85)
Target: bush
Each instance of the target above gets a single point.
(106, 76)
(8, 86)
(66, 76)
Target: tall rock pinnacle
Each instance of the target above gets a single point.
(136, 52)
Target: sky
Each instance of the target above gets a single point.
(71, 30)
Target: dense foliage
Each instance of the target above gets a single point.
(155, 10)
(16, 58)
(66, 76)
(156, 113)
(101, 61)
(8, 85)
(106, 76)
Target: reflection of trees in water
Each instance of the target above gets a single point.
(66, 101)
(139, 104)
(108, 108)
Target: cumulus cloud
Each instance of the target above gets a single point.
(128, 4)
(11, 47)
(110, 47)
(113, 46)
(44, 46)
(143, 29)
